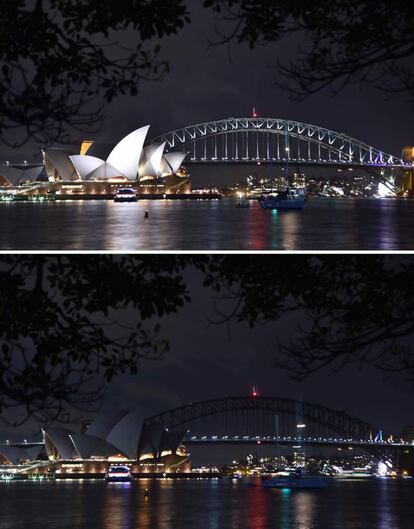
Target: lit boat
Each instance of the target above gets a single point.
(6, 197)
(288, 199)
(356, 473)
(6, 476)
(296, 481)
(125, 194)
(118, 473)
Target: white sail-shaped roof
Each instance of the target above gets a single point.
(59, 160)
(174, 160)
(127, 153)
(165, 168)
(60, 438)
(88, 446)
(127, 432)
(9, 176)
(104, 172)
(85, 164)
(12, 176)
(105, 422)
(150, 164)
(31, 174)
(13, 454)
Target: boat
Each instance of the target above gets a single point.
(289, 199)
(6, 476)
(6, 197)
(125, 194)
(296, 481)
(118, 473)
(356, 473)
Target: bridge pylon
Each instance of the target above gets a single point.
(406, 462)
(407, 181)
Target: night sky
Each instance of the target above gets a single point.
(205, 84)
(206, 362)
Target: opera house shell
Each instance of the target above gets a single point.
(12, 177)
(119, 434)
(129, 161)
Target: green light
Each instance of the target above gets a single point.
(286, 491)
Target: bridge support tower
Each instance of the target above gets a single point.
(406, 460)
(408, 174)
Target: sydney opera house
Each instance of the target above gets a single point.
(100, 168)
(117, 436)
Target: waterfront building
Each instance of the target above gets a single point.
(13, 176)
(99, 169)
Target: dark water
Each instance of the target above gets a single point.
(204, 504)
(325, 224)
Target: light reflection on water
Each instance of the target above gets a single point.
(336, 224)
(199, 504)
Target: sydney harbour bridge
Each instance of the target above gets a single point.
(251, 420)
(256, 420)
(272, 141)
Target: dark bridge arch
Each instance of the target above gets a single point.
(338, 422)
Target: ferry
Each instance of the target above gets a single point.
(6, 476)
(356, 473)
(285, 480)
(118, 473)
(289, 199)
(125, 194)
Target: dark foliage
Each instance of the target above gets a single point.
(346, 309)
(334, 42)
(70, 324)
(65, 330)
(61, 62)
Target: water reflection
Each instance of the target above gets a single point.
(343, 224)
(304, 506)
(258, 512)
(199, 504)
(117, 506)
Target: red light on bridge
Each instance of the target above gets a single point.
(254, 392)
(254, 113)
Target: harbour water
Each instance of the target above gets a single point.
(324, 224)
(208, 504)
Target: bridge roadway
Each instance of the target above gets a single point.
(288, 441)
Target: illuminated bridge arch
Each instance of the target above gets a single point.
(261, 416)
(271, 140)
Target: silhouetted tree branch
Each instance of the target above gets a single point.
(70, 324)
(338, 43)
(62, 62)
(343, 309)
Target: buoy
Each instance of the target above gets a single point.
(146, 216)
(146, 493)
